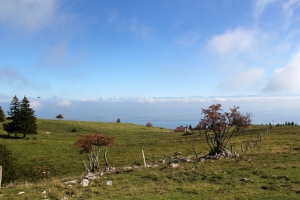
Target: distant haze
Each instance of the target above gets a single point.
(166, 112)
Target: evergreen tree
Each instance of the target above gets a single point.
(2, 115)
(27, 119)
(21, 118)
(12, 126)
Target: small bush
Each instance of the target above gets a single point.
(60, 116)
(149, 124)
(118, 120)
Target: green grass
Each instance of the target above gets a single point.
(272, 167)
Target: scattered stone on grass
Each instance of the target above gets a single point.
(73, 181)
(222, 154)
(109, 183)
(21, 192)
(90, 176)
(84, 182)
(174, 165)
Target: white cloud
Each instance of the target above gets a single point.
(188, 39)
(36, 105)
(64, 103)
(243, 80)
(286, 79)
(233, 42)
(27, 14)
(260, 6)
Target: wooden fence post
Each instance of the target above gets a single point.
(231, 147)
(242, 148)
(144, 158)
(196, 155)
(0, 175)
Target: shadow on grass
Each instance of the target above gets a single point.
(10, 137)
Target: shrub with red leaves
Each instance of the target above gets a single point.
(91, 145)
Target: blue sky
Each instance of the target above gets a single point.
(69, 51)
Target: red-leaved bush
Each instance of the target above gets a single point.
(91, 145)
(87, 142)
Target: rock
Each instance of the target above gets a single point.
(64, 198)
(68, 182)
(201, 160)
(21, 192)
(84, 182)
(127, 168)
(90, 176)
(109, 183)
(174, 165)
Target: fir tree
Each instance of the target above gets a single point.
(12, 126)
(27, 119)
(2, 115)
(21, 118)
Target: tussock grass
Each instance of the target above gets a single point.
(270, 170)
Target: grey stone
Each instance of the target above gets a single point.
(109, 183)
(174, 165)
(84, 182)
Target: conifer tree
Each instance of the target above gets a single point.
(21, 118)
(27, 119)
(12, 125)
(2, 115)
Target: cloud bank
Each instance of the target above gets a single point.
(286, 78)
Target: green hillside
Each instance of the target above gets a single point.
(268, 170)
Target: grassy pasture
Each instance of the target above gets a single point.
(270, 170)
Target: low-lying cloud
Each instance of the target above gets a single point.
(286, 79)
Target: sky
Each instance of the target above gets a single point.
(145, 55)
